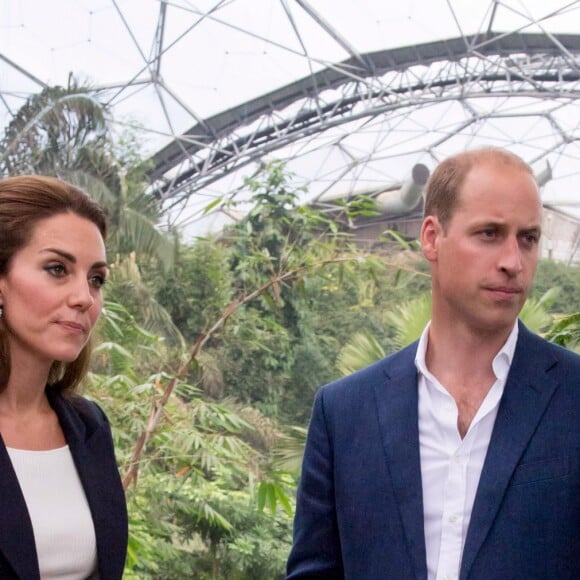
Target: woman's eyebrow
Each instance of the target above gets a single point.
(71, 258)
(61, 253)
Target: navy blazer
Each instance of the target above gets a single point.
(88, 435)
(359, 511)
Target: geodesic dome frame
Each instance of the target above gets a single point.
(355, 120)
(464, 70)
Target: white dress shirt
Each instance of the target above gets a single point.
(451, 466)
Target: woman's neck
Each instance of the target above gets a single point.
(25, 390)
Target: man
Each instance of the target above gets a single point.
(459, 456)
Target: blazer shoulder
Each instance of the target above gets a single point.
(533, 346)
(396, 364)
(89, 411)
(79, 414)
(565, 355)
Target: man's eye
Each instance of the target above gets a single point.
(56, 270)
(489, 233)
(531, 238)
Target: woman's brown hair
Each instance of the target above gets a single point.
(24, 201)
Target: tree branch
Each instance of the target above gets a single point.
(158, 405)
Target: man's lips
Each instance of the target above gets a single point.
(504, 291)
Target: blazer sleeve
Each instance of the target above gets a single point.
(316, 549)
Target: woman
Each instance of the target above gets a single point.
(62, 506)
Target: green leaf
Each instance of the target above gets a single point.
(207, 209)
(262, 494)
(283, 500)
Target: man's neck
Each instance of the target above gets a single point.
(462, 361)
(463, 351)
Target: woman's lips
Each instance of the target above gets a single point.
(72, 326)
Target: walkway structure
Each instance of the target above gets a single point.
(485, 76)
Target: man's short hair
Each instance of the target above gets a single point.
(442, 194)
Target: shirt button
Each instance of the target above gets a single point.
(453, 518)
(457, 459)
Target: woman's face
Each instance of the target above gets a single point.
(52, 293)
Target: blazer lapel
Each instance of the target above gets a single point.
(17, 543)
(91, 447)
(527, 392)
(397, 404)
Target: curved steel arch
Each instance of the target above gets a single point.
(533, 65)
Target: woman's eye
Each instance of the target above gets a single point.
(56, 270)
(97, 281)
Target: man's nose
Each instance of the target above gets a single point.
(510, 259)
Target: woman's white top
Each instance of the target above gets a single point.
(63, 527)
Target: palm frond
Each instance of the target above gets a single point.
(55, 113)
(362, 350)
(140, 234)
(94, 186)
(289, 449)
(565, 330)
(534, 314)
(410, 319)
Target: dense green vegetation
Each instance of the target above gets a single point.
(209, 352)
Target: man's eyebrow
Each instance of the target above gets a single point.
(532, 230)
(71, 258)
(503, 224)
(489, 224)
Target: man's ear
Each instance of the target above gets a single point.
(431, 229)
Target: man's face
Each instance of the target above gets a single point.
(484, 261)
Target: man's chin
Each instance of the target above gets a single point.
(495, 323)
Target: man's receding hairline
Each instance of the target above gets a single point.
(485, 157)
(494, 159)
